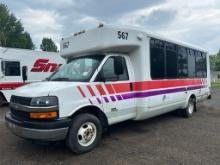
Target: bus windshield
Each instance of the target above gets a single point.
(78, 69)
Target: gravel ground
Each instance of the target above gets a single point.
(166, 139)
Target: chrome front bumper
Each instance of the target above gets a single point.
(31, 130)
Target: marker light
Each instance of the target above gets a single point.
(43, 115)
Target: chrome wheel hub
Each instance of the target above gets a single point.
(191, 108)
(87, 134)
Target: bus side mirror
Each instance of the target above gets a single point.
(118, 65)
(24, 73)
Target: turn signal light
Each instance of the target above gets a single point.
(43, 115)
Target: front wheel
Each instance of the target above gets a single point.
(84, 134)
(190, 109)
(2, 101)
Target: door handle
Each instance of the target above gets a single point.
(114, 109)
(164, 97)
(185, 89)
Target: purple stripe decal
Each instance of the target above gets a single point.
(119, 97)
(106, 99)
(155, 93)
(90, 101)
(148, 93)
(113, 98)
(195, 87)
(99, 101)
(128, 96)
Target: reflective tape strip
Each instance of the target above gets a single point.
(81, 91)
(90, 101)
(122, 87)
(106, 99)
(99, 101)
(109, 88)
(100, 89)
(12, 85)
(157, 84)
(113, 98)
(90, 90)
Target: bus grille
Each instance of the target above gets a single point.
(20, 115)
(21, 100)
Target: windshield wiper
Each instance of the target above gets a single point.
(60, 79)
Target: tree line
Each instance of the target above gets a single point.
(13, 34)
(215, 62)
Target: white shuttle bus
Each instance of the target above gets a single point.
(21, 66)
(113, 74)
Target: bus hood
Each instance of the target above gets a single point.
(42, 88)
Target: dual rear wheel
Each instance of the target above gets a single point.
(190, 109)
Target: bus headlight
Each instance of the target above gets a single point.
(44, 101)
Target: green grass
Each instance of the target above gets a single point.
(215, 84)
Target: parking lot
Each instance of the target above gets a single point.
(167, 139)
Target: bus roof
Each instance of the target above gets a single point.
(105, 39)
(160, 37)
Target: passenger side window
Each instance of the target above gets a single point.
(171, 60)
(199, 65)
(157, 58)
(108, 71)
(191, 63)
(204, 65)
(182, 62)
(12, 68)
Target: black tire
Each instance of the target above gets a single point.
(73, 137)
(190, 109)
(2, 100)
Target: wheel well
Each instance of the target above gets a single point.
(96, 112)
(2, 99)
(2, 95)
(193, 96)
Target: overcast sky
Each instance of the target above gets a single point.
(193, 21)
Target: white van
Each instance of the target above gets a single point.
(21, 66)
(113, 74)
